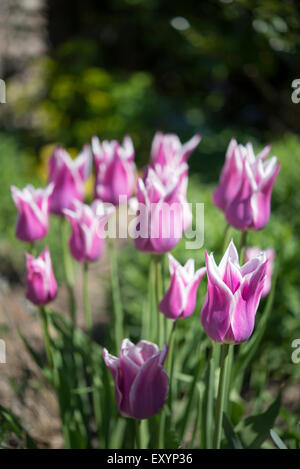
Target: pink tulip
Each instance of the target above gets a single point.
(230, 176)
(88, 223)
(245, 187)
(33, 212)
(270, 254)
(69, 177)
(141, 383)
(40, 280)
(163, 213)
(168, 150)
(233, 296)
(179, 300)
(115, 169)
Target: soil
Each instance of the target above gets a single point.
(23, 390)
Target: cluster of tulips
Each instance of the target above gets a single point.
(143, 388)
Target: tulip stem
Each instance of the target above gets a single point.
(31, 248)
(170, 361)
(190, 401)
(224, 239)
(116, 295)
(222, 395)
(45, 326)
(69, 274)
(158, 290)
(86, 299)
(242, 246)
(209, 396)
(137, 434)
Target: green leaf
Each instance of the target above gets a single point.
(277, 440)
(34, 355)
(171, 438)
(256, 429)
(12, 424)
(232, 437)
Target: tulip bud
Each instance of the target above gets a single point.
(68, 177)
(270, 254)
(115, 169)
(88, 223)
(179, 300)
(141, 383)
(168, 150)
(245, 187)
(233, 296)
(40, 280)
(33, 212)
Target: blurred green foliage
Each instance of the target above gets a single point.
(220, 67)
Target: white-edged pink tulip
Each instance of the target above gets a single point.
(33, 212)
(179, 301)
(88, 223)
(115, 169)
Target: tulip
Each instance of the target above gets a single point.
(40, 280)
(141, 383)
(163, 213)
(115, 169)
(233, 296)
(69, 177)
(168, 150)
(270, 254)
(230, 176)
(33, 212)
(88, 223)
(245, 187)
(179, 300)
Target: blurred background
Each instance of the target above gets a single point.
(223, 68)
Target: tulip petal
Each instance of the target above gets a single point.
(191, 293)
(147, 349)
(239, 210)
(216, 312)
(246, 304)
(150, 387)
(261, 201)
(112, 364)
(173, 301)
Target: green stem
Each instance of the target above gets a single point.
(158, 292)
(137, 434)
(242, 246)
(86, 298)
(160, 338)
(198, 418)
(31, 248)
(228, 379)
(222, 398)
(116, 295)
(68, 268)
(215, 356)
(170, 362)
(46, 334)
(161, 432)
(224, 239)
(154, 316)
(190, 401)
(146, 326)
